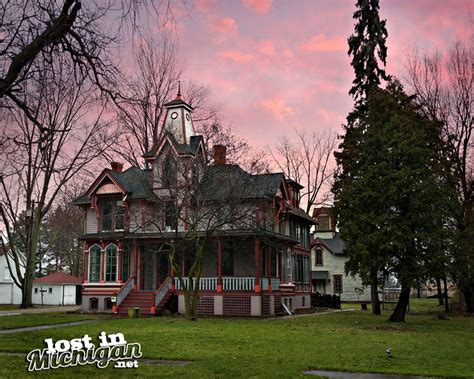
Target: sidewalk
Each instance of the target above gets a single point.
(45, 309)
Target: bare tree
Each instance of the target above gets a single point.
(239, 151)
(61, 229)
(308, 160)
(39, 158)
(444, 91)
(84, 33)
(141, 97)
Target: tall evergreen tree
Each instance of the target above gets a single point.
(368, 49)
(394, 212)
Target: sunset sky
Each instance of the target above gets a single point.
(277, 65)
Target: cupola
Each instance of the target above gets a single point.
(178, 119)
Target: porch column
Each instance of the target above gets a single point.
(268, 262)
(102, 265)
(219, 266)
(135, 259)
(257, 264)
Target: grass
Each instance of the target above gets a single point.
(348, 341)
(7, 307)
(35, 319)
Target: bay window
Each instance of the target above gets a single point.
(111, 264)
(94, 264)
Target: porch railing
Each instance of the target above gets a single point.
(230, 283)
(161, 292)
(205, 284)
(236, 283)
(125, 290)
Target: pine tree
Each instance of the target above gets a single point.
(368, 49)
(394, 212)
(367, 46)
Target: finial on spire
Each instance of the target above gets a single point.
(179, 90)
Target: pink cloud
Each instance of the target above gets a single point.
(224, 25)
(236, 56)
(320, 42)
(205, 5)
(259, 6)
(266, 47)
(278, 108)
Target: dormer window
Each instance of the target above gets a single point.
(112, 215)
(169, 172)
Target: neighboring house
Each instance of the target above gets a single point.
(9, 291)
(328, 260)
(57, 288)
(249, 268)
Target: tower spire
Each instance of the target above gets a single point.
(178, 96)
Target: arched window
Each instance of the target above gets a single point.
(111, 264)
(169, 171)
(94, 264)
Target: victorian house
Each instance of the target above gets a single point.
(328, 262)
(256, 260)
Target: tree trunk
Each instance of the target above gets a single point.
(469, 299)
(400, 310)
(375, 294)
(440, 294)
(446, 302)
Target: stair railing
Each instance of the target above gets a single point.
(161, 292)
(125, 290)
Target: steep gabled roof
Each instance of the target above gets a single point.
(134, 181)
(182, 148)
(222, 182)
(58, 278)
(335, 245)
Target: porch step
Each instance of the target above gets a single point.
(141, 299)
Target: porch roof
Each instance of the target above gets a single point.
(319, 275)
(216, 234)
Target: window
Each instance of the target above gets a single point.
(299, 269)
(318, 257)
(323, 222)
(94, 265)
(169, 171)
(94, 304)
(108, 303)
(170, 216)
(228, 262)
(337, 282)
(112, 214)
(36, 290)
(50, 290)
(274, 265)
(111, 264)
(125, 265)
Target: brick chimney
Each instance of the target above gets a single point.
(116, 166)
(220, 155)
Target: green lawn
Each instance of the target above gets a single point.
(7, 307)
(350, 341)
(21, 321)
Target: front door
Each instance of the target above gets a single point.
(149, 264)
(162, 268)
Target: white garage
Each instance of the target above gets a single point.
(57, 288)
(9, 292)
